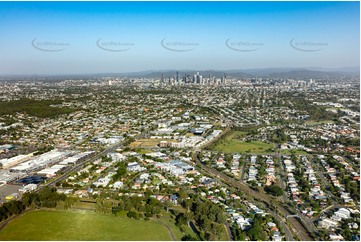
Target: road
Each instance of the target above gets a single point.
(288, 233)
(88, 160)
(169, 230)
(244, 169)
(92, 158)
(297, 227)
(80, 165)
(228, 229)
(325, 184)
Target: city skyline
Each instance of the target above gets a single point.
(116, 37)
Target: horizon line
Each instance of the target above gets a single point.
(326, 69)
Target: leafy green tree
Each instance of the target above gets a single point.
(254, 232)
(189, 238)
(133, 214)
(14, 207)
(274, 190)
(217, 231)
(181, 219)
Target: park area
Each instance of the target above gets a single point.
(80, 225)
(231, 143)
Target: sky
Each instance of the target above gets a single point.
(102, 37)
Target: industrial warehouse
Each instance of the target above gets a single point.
(21, 173)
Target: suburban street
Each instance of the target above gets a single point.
(297, 227)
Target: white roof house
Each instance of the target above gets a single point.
(336, 237)
(327, 223)
(343, 213)
(118, 184)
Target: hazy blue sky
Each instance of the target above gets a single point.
(93, 37)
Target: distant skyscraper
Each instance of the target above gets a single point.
(162, 78)
(197, 78)
(177, 78)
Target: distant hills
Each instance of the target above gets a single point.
(294, 73)
(307, 74)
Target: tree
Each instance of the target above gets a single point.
(217, 230)
(220, 218)
(254, 233)
(235, 232)
(15, 207)
(263, 236)
(128, 205)
(347, 234)
(28, 199)
(274, 190)
(187, 204)
(189, 238)
(315, 206)
(167, 205)
(181, 219)
(121, 171)
(182, 194)
(132, 214)
(147, 194)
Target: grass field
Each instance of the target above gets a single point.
(231, 143)
(144, 151)
(235, 135)
(80, 225)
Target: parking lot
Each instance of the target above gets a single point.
(8, 189)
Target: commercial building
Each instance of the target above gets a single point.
(13, 161)
(41, 162)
